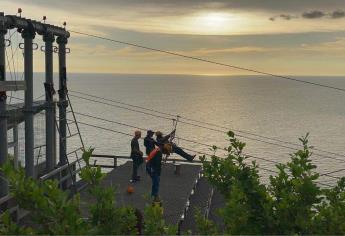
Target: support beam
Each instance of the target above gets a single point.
(50, 110)
(12, 21)
(3, 116)
(62, 98)
(28, 35)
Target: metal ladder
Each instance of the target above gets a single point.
(69, 122)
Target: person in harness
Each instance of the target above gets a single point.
(136, 155)
(153, 167)
(161, 140)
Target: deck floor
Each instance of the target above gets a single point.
(175, 190)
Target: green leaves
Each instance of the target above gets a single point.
(292, 202)
(154, 222)
(91, 175)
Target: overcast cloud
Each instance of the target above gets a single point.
(299, 35)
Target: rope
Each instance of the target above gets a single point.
(208, 128)
(207, 61)
(126, 108)
(209, 124)
(188, 149)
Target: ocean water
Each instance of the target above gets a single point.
(264, 106)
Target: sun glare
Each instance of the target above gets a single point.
(214, 22)
(217, 20)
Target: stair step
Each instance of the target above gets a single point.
(197, 201)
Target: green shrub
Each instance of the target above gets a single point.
(53, 212)
(292, 202)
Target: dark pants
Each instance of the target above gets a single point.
(137, 161)
(179, 151)
(155, 177)
(155, 184)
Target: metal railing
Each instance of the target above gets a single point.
(115, 158)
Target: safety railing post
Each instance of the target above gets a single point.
(3, 108)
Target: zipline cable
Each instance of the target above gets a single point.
(188, 149)
(202, 122)
(206, 60)
(208, 128)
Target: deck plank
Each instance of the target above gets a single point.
(175, 190)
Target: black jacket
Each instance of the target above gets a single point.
(135, 149)
(149, 143)
(155, 164)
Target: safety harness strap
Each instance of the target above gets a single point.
(152, 154)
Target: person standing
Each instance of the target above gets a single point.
(149, 142)
(154, 166)
(136, 155)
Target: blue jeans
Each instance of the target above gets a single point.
(155, 184)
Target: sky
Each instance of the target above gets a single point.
(286, 37)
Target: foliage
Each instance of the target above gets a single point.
(331, 213)
(296, 193)
(7, 227)
(51, 209)
(292, 202)
(92, 175)
(154, 223)
(246, 198)
(53, 212)
(105, 216)
(204, 226)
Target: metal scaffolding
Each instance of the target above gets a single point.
(28, 29)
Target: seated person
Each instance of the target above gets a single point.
(161, 140)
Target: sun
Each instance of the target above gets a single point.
(217, 20)
(214, 22)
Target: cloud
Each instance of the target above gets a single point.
(332, 47)
(283, 16)
(313, 14)
(316, 14)
(338, 14)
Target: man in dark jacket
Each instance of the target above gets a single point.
(136, 155)
(149, 142)
(161, 140)
(154, 166)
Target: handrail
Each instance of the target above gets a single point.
(129, 158)
(56, 171)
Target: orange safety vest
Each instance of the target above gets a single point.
(152, 154)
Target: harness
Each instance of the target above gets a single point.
(152, 154)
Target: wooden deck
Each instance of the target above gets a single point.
(175, 190)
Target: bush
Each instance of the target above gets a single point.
(292, 203)
(53, 212)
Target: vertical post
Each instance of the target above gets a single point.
(63, 103)
(16, 148)
(28, 35)
(3, 116)
(48, 38)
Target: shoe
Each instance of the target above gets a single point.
(133, 180)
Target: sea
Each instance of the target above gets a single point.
(268, 114)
